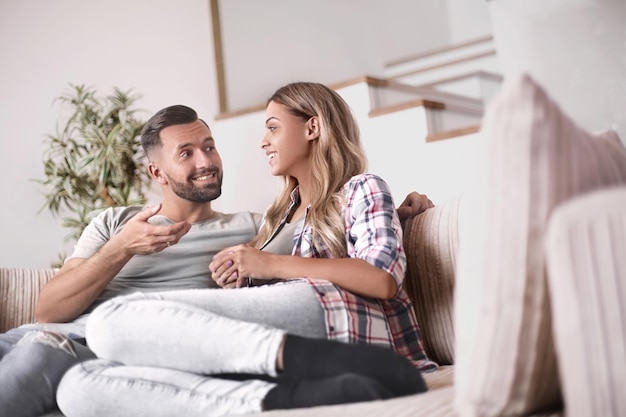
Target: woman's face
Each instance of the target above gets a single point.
(287, 141)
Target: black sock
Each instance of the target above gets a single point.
(305, 358)
(341, 389)
(245, 377)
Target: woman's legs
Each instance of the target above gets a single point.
(205, 331)
(105, 388)
(177, 333)
(179, 330)
(291, 306)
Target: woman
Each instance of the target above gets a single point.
(338, 212)
(339, 303)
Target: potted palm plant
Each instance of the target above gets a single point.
(94, 161)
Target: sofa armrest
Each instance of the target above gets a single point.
(585, 245)
(19, 290)
(431, 242)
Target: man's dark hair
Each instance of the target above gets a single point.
(169, 116)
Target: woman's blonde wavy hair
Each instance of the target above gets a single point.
(336, 156)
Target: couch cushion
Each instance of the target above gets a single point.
(431, 241)
(585, 249)
(19, 290)
(537, 158)
(436, 403)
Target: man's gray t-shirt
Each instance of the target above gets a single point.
(184, 265)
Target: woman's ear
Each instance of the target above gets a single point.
(313, 128)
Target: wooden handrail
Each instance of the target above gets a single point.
(480, 73)
(440, 50)
(491, 52)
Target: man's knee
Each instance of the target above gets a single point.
(9, 339)
(32, 370)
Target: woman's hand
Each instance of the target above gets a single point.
(231, 267)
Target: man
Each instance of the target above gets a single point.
(129, 249)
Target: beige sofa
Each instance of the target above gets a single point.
(518, 285)
(431, 241)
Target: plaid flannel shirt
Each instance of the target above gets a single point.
(374, 234)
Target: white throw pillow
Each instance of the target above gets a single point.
(585, 250)
(537, 158)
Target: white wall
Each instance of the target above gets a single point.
(248, 184)
(328, 41)
(468, 19)
(163, 49)
(160, 48)
(575, 48)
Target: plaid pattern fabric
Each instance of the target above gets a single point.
(374, 234)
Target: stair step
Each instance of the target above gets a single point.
(479, 85)
(454, 133)
(386, 93)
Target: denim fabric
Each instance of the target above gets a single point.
(137, 330)
(104, 388)
(292, 306)
(30, 371)
(74, 330)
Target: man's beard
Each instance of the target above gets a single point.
(191, 192)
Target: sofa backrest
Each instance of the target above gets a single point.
(19, 290)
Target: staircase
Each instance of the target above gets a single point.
(459, 78)
(453, 62)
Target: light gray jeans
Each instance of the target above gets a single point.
(30, 372)
(158, 351)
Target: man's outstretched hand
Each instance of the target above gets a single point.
(140, 237)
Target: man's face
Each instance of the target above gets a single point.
(189, 162)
